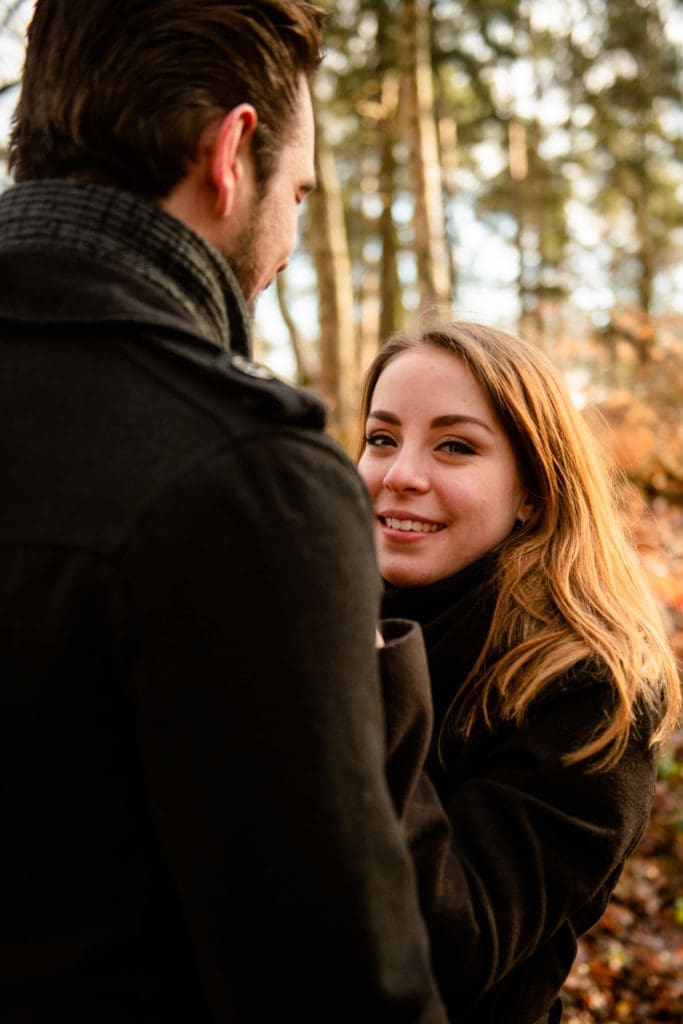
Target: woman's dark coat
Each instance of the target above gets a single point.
(535, 847)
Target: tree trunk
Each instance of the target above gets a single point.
(328, 245)
(447, 135)
(390, 297)
(425, 171)
(304, 376)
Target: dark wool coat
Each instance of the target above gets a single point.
(534, 848)
(195, 822)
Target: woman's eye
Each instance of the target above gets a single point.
(378, 440)
(455, 447)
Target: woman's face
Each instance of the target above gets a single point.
(441, 472)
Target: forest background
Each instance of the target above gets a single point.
(516, 162)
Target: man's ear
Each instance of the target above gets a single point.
(232, 135)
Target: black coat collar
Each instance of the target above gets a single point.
(80, 253)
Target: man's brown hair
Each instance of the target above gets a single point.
(120, 92)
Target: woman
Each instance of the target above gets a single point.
(498, 530)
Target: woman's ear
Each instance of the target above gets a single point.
(525, 510)
(230, 142)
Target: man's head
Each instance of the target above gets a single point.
(122, 93)
(220, 198)
(254, 230)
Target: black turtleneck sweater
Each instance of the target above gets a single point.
(453, 641)
(535, 848)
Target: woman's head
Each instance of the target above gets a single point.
(529, 480)
(441, 471)
(481, 439)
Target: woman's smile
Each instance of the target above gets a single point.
(404, 523)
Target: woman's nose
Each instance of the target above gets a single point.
(406, 473)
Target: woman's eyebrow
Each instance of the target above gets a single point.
(454, 420)
(387, 417)
(449, 420)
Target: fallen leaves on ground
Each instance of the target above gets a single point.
(629, 967)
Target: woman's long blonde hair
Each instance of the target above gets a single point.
(570, 584)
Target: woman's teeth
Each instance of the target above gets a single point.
(411, 524)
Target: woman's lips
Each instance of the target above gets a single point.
(408, 527)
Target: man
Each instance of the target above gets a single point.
(195, 821)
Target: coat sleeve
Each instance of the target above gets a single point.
(532, 853)
(408, 713)
(255, 594)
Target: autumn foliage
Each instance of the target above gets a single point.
(629, 967)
